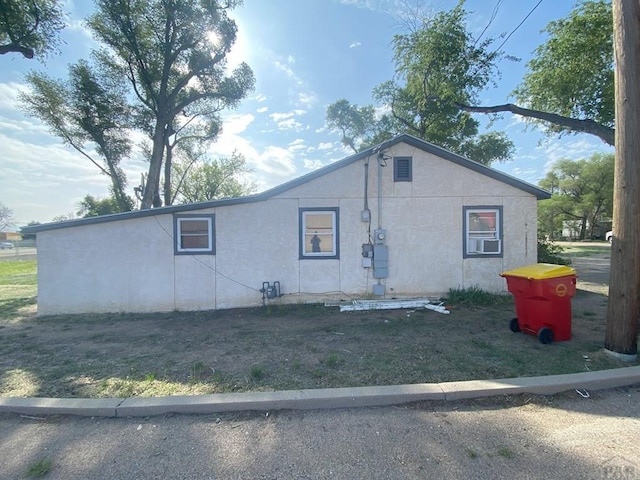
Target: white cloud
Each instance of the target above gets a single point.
(287, 120)
(355, 45)
(262, 109)
(237, 123)
(307, 99)
(260, 98)
(277, 161)
(572, 149)
(297, 145)
(290, 124)
(313, 164)
(9, 95)
(288, 71)
(325, 146)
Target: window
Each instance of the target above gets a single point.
(194, 234)
(402, 171)
(319, 233)
(482, 231)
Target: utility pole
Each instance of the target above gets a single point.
(621, 336)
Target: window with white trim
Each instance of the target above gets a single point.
(194, 234)
(483, 231)
(319, 233)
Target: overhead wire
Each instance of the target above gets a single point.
(519, 25)
(493, 17)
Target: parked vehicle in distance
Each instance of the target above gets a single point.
(4, 245)
(608, 236)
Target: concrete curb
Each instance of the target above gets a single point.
(320, 398)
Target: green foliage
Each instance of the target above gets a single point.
(475, 296)
(219, 178)
(582, 193)
(356, 124)
(39, 468)
(443, 65)
(91, 206)
(30, 27)
(549, 252)
(438, 65)
(332, 360)
(88, 107)
(257, 372)
(177, 76)
(572, 72)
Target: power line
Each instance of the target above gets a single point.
(519, 25)
(493, 17)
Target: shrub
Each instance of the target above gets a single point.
(549, 252)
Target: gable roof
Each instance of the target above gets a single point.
(539, 193)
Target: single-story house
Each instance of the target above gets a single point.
(404, 219)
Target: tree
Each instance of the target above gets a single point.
(582, 191)
(91, 206)
(86, 108)
(65, 217)
(212, 180)
(6, 218)
(355, 123)
(569, 87)
(621, 333)
(173, 55)
(438, 65)
(29, 27)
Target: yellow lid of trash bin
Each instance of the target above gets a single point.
(541, 271)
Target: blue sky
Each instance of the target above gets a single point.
(305, 55)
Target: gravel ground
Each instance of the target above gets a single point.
(565, 436)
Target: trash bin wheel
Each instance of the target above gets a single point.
(545, 335)
(514, 325)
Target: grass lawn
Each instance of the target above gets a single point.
(584, 249)
(277, 347)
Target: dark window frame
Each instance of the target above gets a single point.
(177, 222)
(335, 211)
(497, 235)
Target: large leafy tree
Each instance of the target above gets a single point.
(87, 110)
(569, 87)
(438, 65)
(91, 206)
(356, 124)
(173, 54)
(29, 27)
(582, 192)
(210, 180)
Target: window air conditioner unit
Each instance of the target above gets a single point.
(484, 245)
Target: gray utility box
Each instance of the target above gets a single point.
(380, 261)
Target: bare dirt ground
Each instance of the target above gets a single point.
(290, 347)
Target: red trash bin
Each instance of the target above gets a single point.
(542, 293)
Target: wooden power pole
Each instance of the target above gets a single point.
(621, 337)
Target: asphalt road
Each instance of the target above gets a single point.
(566, 436)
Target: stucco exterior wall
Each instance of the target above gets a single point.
(108, 267)
(129, 265)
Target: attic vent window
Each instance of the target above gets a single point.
(402, 169)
